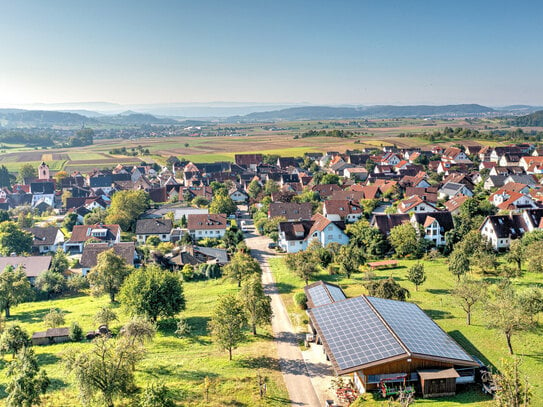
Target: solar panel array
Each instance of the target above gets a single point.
(336, 292)
(354, 333)
(417, 331)
(319, 295)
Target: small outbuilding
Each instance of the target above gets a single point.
(51, 336)
(438, 382)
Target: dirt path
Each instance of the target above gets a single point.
(295, 371)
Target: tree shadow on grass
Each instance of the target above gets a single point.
(57, 384)
(47, 359)
(470, 348)
(198, 325)
(438, 314)
(283, 288)
(438, 291)
(3, 393)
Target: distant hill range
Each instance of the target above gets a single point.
(13, 118)
(530, 120)
(369, 112)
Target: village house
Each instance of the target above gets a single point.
(500, 230)
(434, 225)
(453, 189)
(91, 251)
(51, 336)
(505, 199)
(162, 228)
(97, 232)
(296, 236)
(238, 195)
(33, 266)
(206, 225)
(453, 205)
(47, 239)
(342, 210)
(416, 204)
(291, 211)
(369, 339)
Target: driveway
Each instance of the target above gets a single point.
(295, 370)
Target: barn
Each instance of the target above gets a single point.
(384, 344)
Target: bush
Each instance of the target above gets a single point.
(77, 283)
(153, 240)
(183, 328)
(76, 333)
(54, 318)
(300, 299)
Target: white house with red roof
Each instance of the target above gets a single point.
(511, 200)
(98, 233)
(209, 225)
(416, 204)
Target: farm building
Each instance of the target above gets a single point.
(384, 344)
(52, 335)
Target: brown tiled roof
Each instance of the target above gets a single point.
(82, 233)
(33, 265)
(291, 210)
(206, 221)
(342, 207)
(248, 159)
(43, 236)
(91, 251)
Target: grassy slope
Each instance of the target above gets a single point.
(181, 363)
(434, 298)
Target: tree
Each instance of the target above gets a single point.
(516, 253)
(54, 318)
(27, 171)
(350, 258)
(302, 264)
(270, 187)
(27, 381)
(241, 266)
(13, 339)
(254, 188)
(76, 333)
(505, 314)
(388, 289)
(152, 292)
(138, 331)
(417, 275)
(405, 241)
(200, 201)
(59, 262)
(468, 293)
(222, 204)
(97, 216)
(531, 301)
(156, 395)
(257, 304)
(109, 274)
(105, 371)
(105, 315)
(533, 256)
(126, 207)
(5, 179)
(13, 239)
(330, 179)
(70, 220)
(228, 322)
(51, 283)
(458, 263)
(512, 389)
(59, 176)
(14, 288)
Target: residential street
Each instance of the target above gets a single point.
(295, 371)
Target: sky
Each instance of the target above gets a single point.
(274, 51)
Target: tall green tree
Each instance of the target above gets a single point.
(468, 293)
(416, 275)
(14, 288)
(5, 179)
(228, 323)
(109, 274)
(59, 262)
(505, 314)
(458, 263)
(302, 264)
(152, 292)
(13, 239)
(27, 382)
(54, 318)
(222, 204)
(105, 315)
(350, 259)
(51, 283)
(27, 171)
(13, 339)
(257, 304)
(241, 266)
(406, 241)
(105, 371)
(126, 207)
(254, 188)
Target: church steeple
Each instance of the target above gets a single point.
(43, 171)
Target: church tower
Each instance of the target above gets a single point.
(43, 171)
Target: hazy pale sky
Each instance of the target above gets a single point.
(322, 52)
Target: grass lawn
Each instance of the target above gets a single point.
(182, 364)
(435, 299)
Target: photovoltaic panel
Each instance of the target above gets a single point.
(354, 333)
(318, 295)
(336, 292)
(417, 330)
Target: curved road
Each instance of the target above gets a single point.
(293, 367)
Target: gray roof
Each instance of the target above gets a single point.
(91, 251)
(154, 226)
(220, 254)
(43, 236)
(51, 333)
(33, 266)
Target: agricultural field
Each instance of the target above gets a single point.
(434, 297)
(182, 364)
